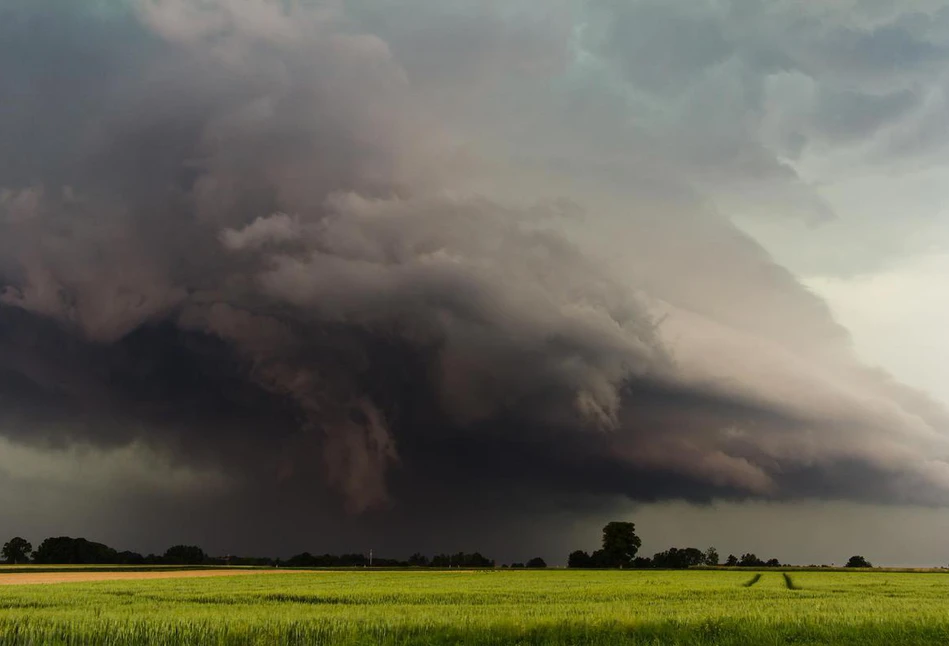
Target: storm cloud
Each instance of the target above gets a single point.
(381, 255)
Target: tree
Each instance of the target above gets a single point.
(579, 559)
(537, 562)
(476, 560)
(711, 556)
(675, 558)
(773, 563)
(418, 560)
(348, 560)
(185, 555)
(750, 560)
(66, 550)
(858, 561)
(731, 561)
(16, 550)
(130, 558)
(301, 560)
(462, 559)
(600, 559)
(620, 544)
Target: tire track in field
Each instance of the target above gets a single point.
(753, 580)
(789, 582)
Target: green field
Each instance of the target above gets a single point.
(487, 607)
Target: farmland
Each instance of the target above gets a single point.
(485, 607)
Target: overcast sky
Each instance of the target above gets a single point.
(436, 275)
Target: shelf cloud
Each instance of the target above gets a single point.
(419, 251)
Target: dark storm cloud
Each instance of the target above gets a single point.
(262, 239)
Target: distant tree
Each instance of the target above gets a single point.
(301, 560)
(750, 560)
(773, 563)
(418, 560)
(462, 559)
(602, 559)
(347, 560)
(537, 563)
(308, 560)
(130, 558)
(858, 561)
(620, 544)
(711, 556)
(731, 561)
(517, 566)
(691, 557)
(66, 550)
(16, 550)
(579, 559)
(184, 555)
(675, 558)
(477, 560)
(642, 562)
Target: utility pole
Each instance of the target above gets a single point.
(370, 557)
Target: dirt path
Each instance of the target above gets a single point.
(28, 578)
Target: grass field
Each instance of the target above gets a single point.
(486, 607)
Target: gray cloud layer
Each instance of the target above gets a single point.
(428, 252)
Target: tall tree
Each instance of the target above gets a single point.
(711, 556)
(16, 550)
(620, 544)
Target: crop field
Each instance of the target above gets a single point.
(485, 607)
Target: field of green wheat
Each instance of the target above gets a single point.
(486, 607)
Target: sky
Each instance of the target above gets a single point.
(428, 275)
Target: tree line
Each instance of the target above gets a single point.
(62, 550)
(619, 549)
(459, 559)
